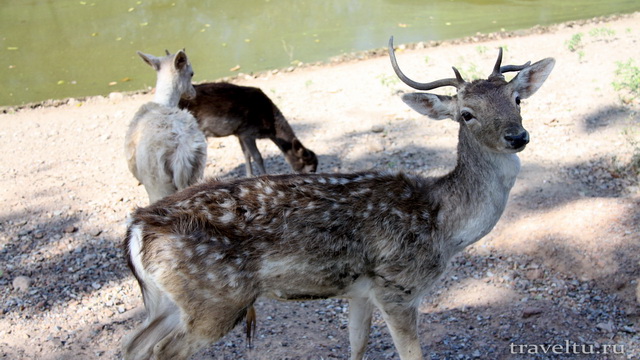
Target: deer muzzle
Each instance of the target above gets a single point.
(518, 140)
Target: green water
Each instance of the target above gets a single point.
(73, 48)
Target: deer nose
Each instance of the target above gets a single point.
(517, 141)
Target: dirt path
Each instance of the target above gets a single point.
(560, 268)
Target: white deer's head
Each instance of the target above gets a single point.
(174, 73)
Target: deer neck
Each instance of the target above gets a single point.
(475, 193)
(284, 134)
(166, 93)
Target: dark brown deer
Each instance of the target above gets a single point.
(224, 109)
(204, 255)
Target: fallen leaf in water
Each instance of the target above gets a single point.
(12, 48)
(113, 83)
(60, 82)
(403, 25)
(125, 79)
(235, 68)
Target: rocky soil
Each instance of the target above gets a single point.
(560, 269)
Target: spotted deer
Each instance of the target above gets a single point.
(204, 255)
(164, 148)
(224, 109)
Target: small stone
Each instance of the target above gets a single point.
(70, 229)
(531, 311)
(116, 97)
(22, 283)
(534, 274)
(608, 326)
(377, 129)
(629, 329)
(96, 285)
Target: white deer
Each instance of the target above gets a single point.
(203, 256)
(165, 149)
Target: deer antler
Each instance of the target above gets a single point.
(457, 82)
(499, 70)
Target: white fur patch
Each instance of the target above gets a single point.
(244, 191)
(135, 250)
(228, 203)
(202, 249)
(227, 217)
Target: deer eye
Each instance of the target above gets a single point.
(517, 100)
(466, 116)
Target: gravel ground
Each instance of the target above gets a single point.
(560, 269)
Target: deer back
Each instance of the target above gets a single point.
(224, 109)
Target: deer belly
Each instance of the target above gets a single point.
(289, 279)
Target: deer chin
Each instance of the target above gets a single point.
(189, 94)
(512, 150)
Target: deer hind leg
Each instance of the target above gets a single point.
(141, 345)
(250, 150)
(360, 311)
(402, 321)
(202, 326)
(179, 344)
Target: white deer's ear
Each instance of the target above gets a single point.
(180, 60)
(531, 78)
(153, 61)
(437, 107)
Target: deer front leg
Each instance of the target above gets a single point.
(360, 311)
(403, 325)
(250, 150)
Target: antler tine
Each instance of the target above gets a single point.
(507, 68)
(167, 52)
(458, 76)
(496, 68)
(457, 82)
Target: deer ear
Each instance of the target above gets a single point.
(437, 107)
(180, 60)
(531, 78)
(153, 61)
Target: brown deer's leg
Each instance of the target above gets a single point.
(250, 150)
